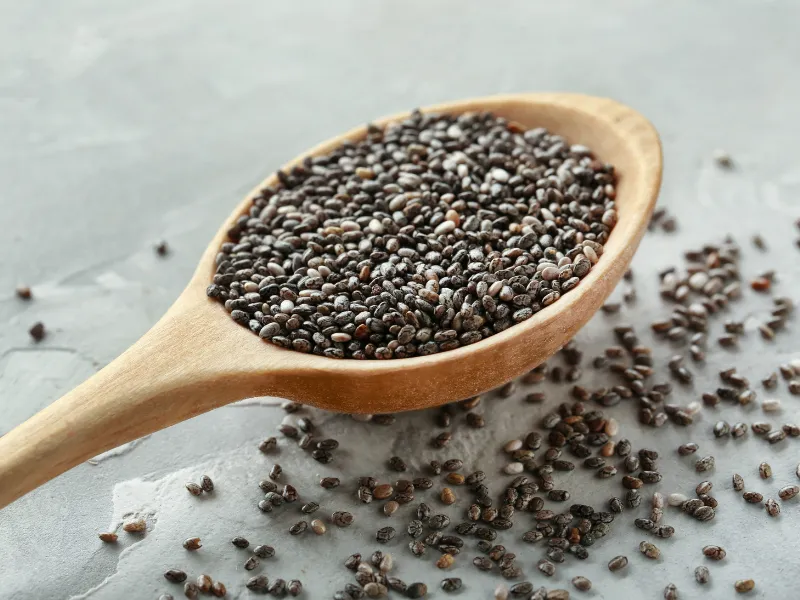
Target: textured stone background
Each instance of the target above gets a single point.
(122, 123)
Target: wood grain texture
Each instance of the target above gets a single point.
(196, 358)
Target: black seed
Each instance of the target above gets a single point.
(384, 534)
(309, 507)
(451, 584)
(665, 531)
(438, 522)
(342, 519)
(329, 482)
(298, 528)
(264, 551)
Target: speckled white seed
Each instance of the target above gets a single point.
(612, 427)
(693, 407)
(501, 592)
(387, 562)
(513, 446)
(362, 418)
(514, 468)
(676, 499)
(771, 405)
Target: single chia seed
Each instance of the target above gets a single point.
(702, 575)
(617, 563)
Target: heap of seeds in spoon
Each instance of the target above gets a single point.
(430, 234)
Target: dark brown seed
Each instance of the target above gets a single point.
(786, 493)
(397, 464)
(631, 483)
(416, 590)
(275, 472)
(384, 534)
(753, 497)
(289, 493)
(714, 552)
(617, 563)
(37, 331)
(240, 542)
(108, 538)
(175, 576)
(329, 482)
(764, 470)
(665, 531)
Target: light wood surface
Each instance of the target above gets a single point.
(196, 358)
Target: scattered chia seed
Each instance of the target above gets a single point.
(702, 575)
(617, 563)
(175, 576)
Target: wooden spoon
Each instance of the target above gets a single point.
(196, 358)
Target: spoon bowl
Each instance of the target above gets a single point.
(196, 358)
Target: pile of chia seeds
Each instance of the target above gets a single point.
(430, 234)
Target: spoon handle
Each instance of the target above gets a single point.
(168, 376)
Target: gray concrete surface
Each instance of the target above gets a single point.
(122, 123)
